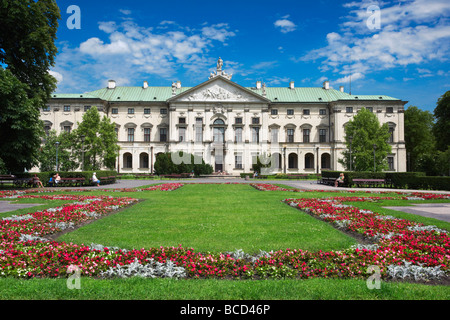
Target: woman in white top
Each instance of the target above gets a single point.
(95, 180)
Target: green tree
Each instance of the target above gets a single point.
(441, 128)
(20, 126)
(66, 159)
(27, 51)
(177, 163)
(419, 136)
(100, 144)
(366, 131)
(164, 164)
(27, 43)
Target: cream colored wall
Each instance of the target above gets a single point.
(193, 110)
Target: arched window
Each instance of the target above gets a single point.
(325, 161)
(143, 160)
(219, 122)
(309, 161)
(276, 161)
(293, 161)
(219, 130)
(127, 161)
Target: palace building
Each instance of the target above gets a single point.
(228, 125)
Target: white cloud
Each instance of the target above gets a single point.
(129, 51)
(285, 25)
(265, 65)
(411, 33)
(125, 12)
(346, 79)
(58, 76)
(218, 32)
(108, 27)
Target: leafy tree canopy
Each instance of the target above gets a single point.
(20, 126)
(366, 131)
(27, 51)
(100, 141)
(27, 35)
(47, 156)
(441, 128)
(419, 136)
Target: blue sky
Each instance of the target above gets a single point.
(395, 48)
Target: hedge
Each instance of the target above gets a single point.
(399, 180)
(87, 175)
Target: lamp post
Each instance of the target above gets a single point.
(57, 145)
(83, 137)
(374, 162)
(350, 139)
(284, 158)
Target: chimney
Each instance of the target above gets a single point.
(178, 84)
(258, 85)
(111, 84)
(341, 88)
(326, 85)
(145, 86)
(292, 85)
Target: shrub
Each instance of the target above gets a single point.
(87, 175)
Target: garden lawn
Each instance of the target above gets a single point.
(214, 218)
(171, 289)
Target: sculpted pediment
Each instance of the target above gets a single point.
(218, 90)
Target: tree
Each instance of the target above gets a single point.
(100, 144)
(419, 136)
(441, 128)
(27, 42)
(366, 131)
(20, 126)
(180, 162)
(27, 51)
(47, 157)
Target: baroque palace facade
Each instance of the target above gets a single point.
(228, 125)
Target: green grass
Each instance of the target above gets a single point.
(169, 289)
(217, 218)
(212, 218)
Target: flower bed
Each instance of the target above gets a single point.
(12, 194)
(399, 248)
(405, 195)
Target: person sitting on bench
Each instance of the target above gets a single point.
(95, 179)
(339, 180)
(56, 179)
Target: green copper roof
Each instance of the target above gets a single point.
(136, 93)
(73, 96)
(274, 94)
(314, 95)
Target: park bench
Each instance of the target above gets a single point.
(7, 178)
(66, 182)
(369, 182)
(23, 182)
(105, 180)
(328, 180)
